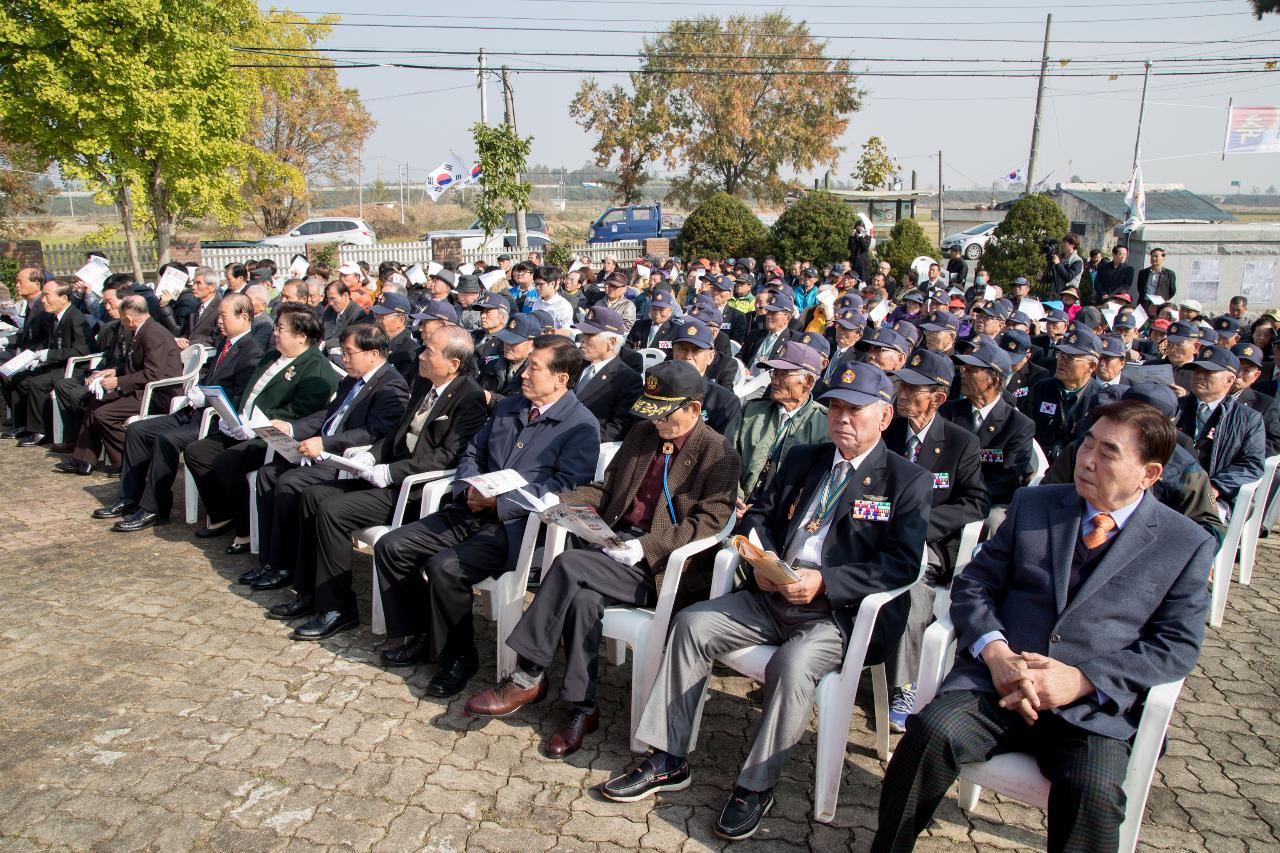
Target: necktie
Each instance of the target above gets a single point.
(828, 496)
(1102, 525)
(1202, 418)
(534, 414)
(419, 420)
(331, 425)
(913, 448)
(586, 377)
(226, 345)
(977, 420)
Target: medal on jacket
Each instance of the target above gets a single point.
(827, 499)
(288, 373)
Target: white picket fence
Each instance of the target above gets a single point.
(406, 253)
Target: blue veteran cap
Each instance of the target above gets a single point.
(860, 384)
(818, 342)
(1112, 347)
(694, 331)
(850, 318)
(885, 338)
(1015, 341)
(1080, 341)
(793, 355)
(926, 367)
(985, 353)
(601, 319)
(437, 309)
(1249, 352)
(941, 321)
(1216, 358)
(519, 329)
(392, 303)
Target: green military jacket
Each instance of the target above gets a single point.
(758, 432)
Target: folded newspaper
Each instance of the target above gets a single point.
(581, 521)
(346, 463)
(280, 441)
(24, 359)
(750, 549)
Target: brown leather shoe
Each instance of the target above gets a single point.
(505, 698)
(64, 447)
(568, 739)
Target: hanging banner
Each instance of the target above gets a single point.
(1252, 130)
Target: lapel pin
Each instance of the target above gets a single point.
(991, 429)
(937, 451)
(866, 481)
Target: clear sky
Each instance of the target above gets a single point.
(982, 125)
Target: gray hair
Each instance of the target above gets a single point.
(258, 294)
(614, 340)
(209, 274)
(393, 287)
(134, 304)
(458, 344)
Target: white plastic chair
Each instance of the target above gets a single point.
(644, 629)
(1015, 774)
(652, 356)
(73, 364)
(1224, 560)
(836, 691)
(734, 348)
(1253, 524)
(752, 385)
(1042, 463)
(192, 358)
(740, 373)
(608, 450)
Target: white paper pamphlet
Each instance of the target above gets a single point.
(280, 441)
(416, 275)
(94, 273)
(496, 482)
(466, 269)
(299, 266)
(492, 277)
(172, 281)
(24, 359)
(581, 521)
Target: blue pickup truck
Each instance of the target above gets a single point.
(635, 222)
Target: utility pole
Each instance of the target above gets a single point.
(942, 204)
(403, 171)
(509, 118)
(484, 91)
(360, 191)
(1142, 109)
(1035, 126)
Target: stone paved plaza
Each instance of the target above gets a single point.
(146, 704)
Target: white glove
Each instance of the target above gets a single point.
(240, 433)
(304, 461)
(629, 554)
(365, 458)
(243, 433)
(380, 476)
(195, 398)
(42, 355)
(4, 341)
(226, 429)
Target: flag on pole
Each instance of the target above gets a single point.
(1014, 177)
(440, 179)
(467, 175)
(1135, 201)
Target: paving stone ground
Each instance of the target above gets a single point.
(146, 704)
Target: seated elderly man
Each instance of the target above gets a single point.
(65, 336)
(504, 376)
(1230, 438)
(1058, 405)
(671, 483)
(787, 418)
(696, 345)
(1064, 622)
(851, 517)
(657, 330)
(607, 387)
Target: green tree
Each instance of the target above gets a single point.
(633, 130)
(133, 97)
(722, 227)
(1014, 248)
(906, 242)
(744, 98)
(1260, 7)
(876, 168)
(558, 254)
(816, 228)
(502, 155)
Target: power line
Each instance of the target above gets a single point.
(871, 5)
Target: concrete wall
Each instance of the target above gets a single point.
(1238, 249)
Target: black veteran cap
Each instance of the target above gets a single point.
(667, 387)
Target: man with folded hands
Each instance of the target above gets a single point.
(672, 482)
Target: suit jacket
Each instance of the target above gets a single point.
(231, 372)
(756, 337)
(1111, 281)
(859, 556)
(1004, 440)
(734, 325)
(1056, 423)
(65, 339)
(702, 479)
(950, 454)
(150, 353)
(404, 356)
(201, 327)
(300, 389)
(1270, 411)
(1233, 446)
(455, 418)
(33, 331)
(1134, 622)
(336, 323)
(109, 340)
(639, 336)
(374, 412)
(609, 395)
(555, 453)
(1020, 383)
(722, 410)
(1165, 286)
(261, 330)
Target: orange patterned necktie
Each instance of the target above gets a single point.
(1102, 525)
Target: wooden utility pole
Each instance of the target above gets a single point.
(1035, 125)
(509, 118)
(942, 204)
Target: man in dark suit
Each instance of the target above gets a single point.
(152, 445)
(340, 312)
(722, 409)
(763, 340)
(950, 454)
(71, 393)
(1004, 434)
(30, 300)
(445, 410)
(264, 325)
(1023, 372)
(850, 518)
(368, 404)
(1244, 390)
(1064, 621)
(672, 482)
(503, 377)
(1230, 438)
(607, 387)
(150, 354)
(723, 369)
(658, 330)
(733, 324)
(66, 336)
(1058, 405)
(391, 312)
(201, 324)
(551, 440)
(1116, 278)
(1156, 280)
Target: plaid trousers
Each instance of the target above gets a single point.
(1086, 771)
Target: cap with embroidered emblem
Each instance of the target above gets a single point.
(818, 342)
(1015, 341)
(860, 385)
(926, 367)
(908, 330)
(601, 319)
(1079, 341)
(885, 338)
(850, 319)
(793, 355)
(1216, 359)
(519, 329)
(1251, 353)
(436, 309)
(694, 331)
(668, 385)
(985, 353)
(392, 303)
(941, 321)
(1183, 330)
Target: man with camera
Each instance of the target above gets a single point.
(1065, 264)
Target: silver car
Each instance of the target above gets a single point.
(326, 229)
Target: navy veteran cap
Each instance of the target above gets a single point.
(1154, 394)
(999, 309)
(1080, 341)
(1183, 330)
(709, 314)
(914, 296)
(545, 319)
(1019, 318)
(1021, 281)
(1249, 352)
(1226, 325)
(392, 303)
(926, 367)
(941, 321)
(848, 299)
(722, 282)
(860, 384)
(818, 341)
(662, 298)
(908, 330)
(1216, 359)
(519, 329)
(601, 319)
(694, 331)
(780, 301)
(793, 355)
(668, 385)
(1113, 347)
(490, 301)
(437, 309)
(850, 319)
(1015, 341)
(984, 353)
(1125, 320)
(885, 338)
(1057, 315)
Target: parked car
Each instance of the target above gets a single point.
(634, 222)
(971, 242)
(533, 222)
(326, 229)
(498, 240)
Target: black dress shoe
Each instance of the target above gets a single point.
(12, 433)
(272, 579)
(119, 509)
(34, 440)
(302, 605)
(453, 675)
(324, 625)
(71, 466)
(741, 815)
(253, 574)
(214, 532)
(645, 780)
(242, 548)
(139, 520)
(413, 652)
(65, 447)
